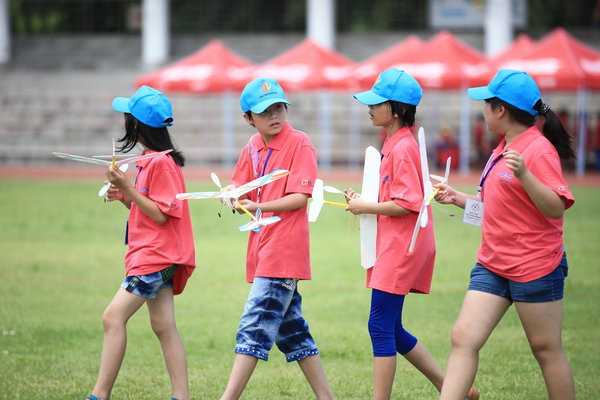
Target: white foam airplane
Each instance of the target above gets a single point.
(231, 196)
(318, 199)
(120, 161)
(370, 193)
(429, 192)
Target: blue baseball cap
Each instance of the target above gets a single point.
(393, 84)
(147, 105)
(516, 88)
(259, 94)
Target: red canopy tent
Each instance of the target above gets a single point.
(308, 66)
(447, 63)
(560, 62)
(521, 46)
(403, 52)
(212, 69)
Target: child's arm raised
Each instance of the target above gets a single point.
(148, 207)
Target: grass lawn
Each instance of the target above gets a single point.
(62, 257)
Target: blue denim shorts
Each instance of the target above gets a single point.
(149, 285)
(273, 314)
(542, 290)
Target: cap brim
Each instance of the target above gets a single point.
(480, 93)
(263, 105)
(121, 104)
(370, 98)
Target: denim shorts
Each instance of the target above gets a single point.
(273, 314)
(542, 290)
(149, 285)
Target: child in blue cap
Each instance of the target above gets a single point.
(521, 260)
(278, 256)
(160, 256)
(392, 103)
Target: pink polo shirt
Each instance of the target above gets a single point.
(153, 247)
(517, 241)
(280, 250)
(396, 270)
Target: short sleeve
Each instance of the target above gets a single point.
(406, 189)
(303, 171)
(547, 169)
(164, 186)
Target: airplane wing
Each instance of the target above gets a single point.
(255, 184)
(142, 157)
(87, 160)
(198, 195)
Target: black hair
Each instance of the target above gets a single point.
(406, 112)
(157, 139)
(553, 128)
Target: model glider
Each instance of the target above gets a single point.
(318, 199)
(368, 222)
(116, 161)
(257, 221)
(428, 191)
(231, 196)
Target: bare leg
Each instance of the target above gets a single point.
(114, 319)
(162, 319)
(313, 370)
(384, 370)
(479, 315)
(420, 358)
(543, 325)
(242, 370)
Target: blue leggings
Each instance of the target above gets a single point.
(385, 325)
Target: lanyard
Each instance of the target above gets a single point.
(486, 172)
(263, 172)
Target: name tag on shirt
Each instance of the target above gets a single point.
(473, 212)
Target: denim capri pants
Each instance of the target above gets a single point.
(273, 314)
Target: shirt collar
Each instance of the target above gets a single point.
(144, 162)
(391, 141)
(521, 142)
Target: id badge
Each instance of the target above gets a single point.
(473, 212)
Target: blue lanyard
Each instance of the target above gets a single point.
(486, 172)
(263, 172)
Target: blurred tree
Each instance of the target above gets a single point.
(194, 16)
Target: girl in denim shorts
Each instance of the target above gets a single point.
(521, 260)
(160, 255)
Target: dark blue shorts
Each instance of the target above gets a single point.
(542, 290)
(149, 285)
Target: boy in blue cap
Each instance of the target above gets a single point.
(521, 259)
(278, 256)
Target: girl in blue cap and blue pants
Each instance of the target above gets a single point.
(392, 102)
(521, 260)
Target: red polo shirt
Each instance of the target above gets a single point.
(396, 270)
(280, 250)
(153, 247)
(518, 242)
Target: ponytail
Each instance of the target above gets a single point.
(553, 128)
(555, 131)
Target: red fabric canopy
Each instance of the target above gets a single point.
(308, 66)
(447, 63)
(521, 46)
(403, 52)
(212, 69)
(560, 62)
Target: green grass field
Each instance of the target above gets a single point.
(62, 261)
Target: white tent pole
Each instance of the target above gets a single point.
(228, 135)
(465, 128)
(5, 48)
(155, 32)
(320, 22)
(581, 131)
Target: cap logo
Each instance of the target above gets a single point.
(265, 87)
(378, 80)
